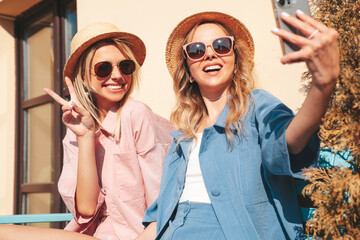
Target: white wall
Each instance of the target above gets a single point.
(7, 116)
(154, 20)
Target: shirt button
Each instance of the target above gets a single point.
(215, 192)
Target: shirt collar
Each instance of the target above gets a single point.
(109, 122)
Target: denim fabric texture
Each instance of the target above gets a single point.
(250, 186)
(194, 221)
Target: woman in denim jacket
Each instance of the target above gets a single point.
(228, 174)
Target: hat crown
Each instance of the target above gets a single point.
(90, 32)
(96, 32)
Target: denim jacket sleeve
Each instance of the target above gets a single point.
(272, 119)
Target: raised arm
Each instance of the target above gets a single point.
(321, 55)
(79, 120)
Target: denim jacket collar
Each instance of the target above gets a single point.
(220, 122)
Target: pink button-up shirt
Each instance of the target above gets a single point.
(129, 172)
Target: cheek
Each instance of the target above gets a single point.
(129, 81)
(193, 67)
(94, 85)
(231, 64)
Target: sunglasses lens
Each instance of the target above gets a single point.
(103, 69)
(222, 45)
(196, 50)
(127, 67)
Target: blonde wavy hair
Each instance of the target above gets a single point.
(82, 80)
(190, 106)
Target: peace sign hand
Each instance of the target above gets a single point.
(75, 116)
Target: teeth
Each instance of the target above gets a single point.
(213, 67)
(115, 86)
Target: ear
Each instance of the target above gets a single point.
(191, 79)
(235, 69)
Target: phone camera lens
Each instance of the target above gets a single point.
(281, 2)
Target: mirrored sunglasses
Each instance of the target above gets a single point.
(221, 46)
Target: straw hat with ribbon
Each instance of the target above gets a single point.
(173, 54)
(96, 32)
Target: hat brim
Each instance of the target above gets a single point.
(173, 53)
(136, 45)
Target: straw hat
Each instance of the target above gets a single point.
(96, 32)
(174, 44)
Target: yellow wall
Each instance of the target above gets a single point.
(154, 20)
(7, 116)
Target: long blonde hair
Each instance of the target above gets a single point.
(190, 106)
(82, 79)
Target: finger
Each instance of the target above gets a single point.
(68, 107)
(304, 27)
(81, 111)
(67, 116)
(72, 92)
(56, 97)
(290, 37)
(297, 56)
(312, 22)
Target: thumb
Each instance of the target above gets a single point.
(80, 110)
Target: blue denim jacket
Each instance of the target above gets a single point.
(250, 186)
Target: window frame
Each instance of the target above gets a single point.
(38, 11)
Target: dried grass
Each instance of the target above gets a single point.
(336, 191)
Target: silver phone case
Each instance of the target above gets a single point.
(290, 7)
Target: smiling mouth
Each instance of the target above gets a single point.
(213, 68)
(115, 86)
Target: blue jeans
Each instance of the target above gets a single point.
(194, 221)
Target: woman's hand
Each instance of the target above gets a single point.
(319, 50)
(75, 116)
(321, 54)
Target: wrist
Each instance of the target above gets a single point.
(325, 86)
(90, 135)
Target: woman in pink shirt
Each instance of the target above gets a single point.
(114, 146)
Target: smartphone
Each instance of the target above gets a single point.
(290, 7)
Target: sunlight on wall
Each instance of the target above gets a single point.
(154, 20)
(7, 116)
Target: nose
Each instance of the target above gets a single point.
(209, 54)
(116, 73)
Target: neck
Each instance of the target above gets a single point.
(214, 106)
(225, 93)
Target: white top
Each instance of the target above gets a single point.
(194, 189)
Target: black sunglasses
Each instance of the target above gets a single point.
(221, 46)
(104, 69)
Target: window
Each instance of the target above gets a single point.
(43, 35)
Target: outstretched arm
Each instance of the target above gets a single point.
(321, 55)
(79, 120)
